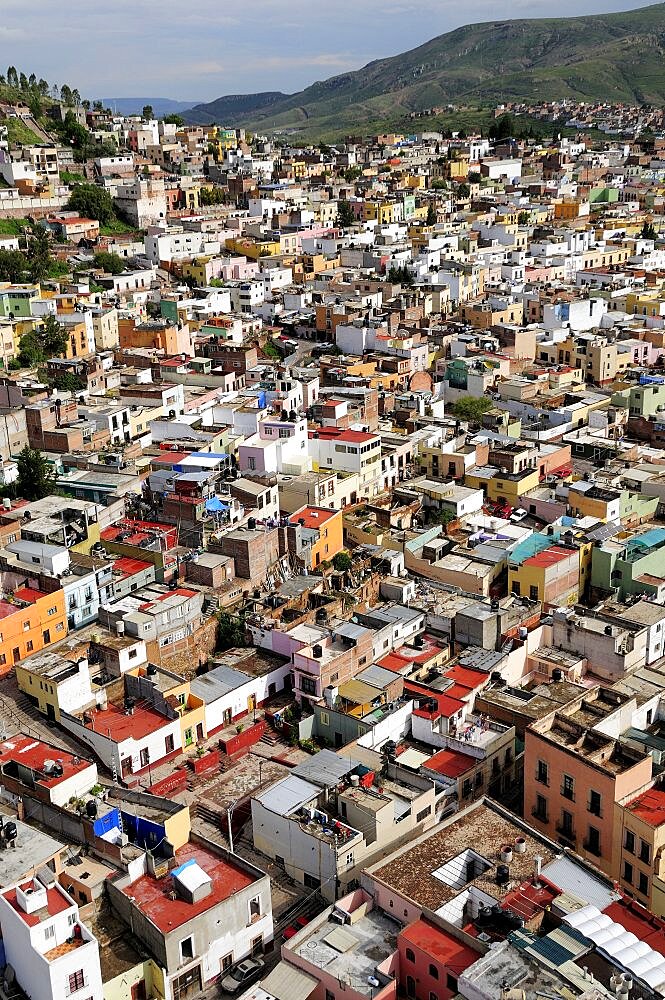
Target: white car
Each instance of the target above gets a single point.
(518, 515)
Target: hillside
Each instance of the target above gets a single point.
(135, 105)
(615, 57)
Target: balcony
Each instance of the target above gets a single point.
(565, 831)
(567, 793)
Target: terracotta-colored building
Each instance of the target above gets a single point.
(574, 774)
(430, 961)
(29, 623)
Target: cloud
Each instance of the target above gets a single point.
(129, 47)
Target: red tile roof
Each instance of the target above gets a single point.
(113, 723)
(33, 754)
(550, 557)
(55, 903)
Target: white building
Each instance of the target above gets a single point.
(53, 954)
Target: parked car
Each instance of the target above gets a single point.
(293, 928)
(242, 974)
(518, 515)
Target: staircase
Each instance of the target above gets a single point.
(209, 815)
(210, 607)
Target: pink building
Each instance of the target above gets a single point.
(431, 960)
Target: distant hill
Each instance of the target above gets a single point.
(135, 105)
(613, 57)
(234, 109)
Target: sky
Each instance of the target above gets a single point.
(210, 48)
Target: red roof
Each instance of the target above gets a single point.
(28, 594)
(637, 919)
(450, 763)
(113, 723)
(550, 557)
(442, 948)
(313, 517)
(151, 895)
(649, 807)
(445, 705)
(469, 678)
(352, 437)
(55, 903)
(127, 566)
(33, 754)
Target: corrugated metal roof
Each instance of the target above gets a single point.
(288, 795)
(377, 676)
(359, 693)
(217, 682)
(285, 982)
(573, 878)
(325, 768)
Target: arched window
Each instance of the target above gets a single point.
(410, 957)
(434, 972)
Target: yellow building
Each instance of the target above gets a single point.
(640, 836)
(510, 489)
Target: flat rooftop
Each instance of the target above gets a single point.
(411, 870)
(352, 956)
(151, 895)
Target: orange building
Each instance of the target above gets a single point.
(574, 774)
(323, 528)
(29, 623)
(162, 335)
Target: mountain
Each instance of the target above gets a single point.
(235, 108)
(612, 57)
(135, 105)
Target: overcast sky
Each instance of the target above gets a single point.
(209, 48)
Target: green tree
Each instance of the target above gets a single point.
(92, 202)
(43, 88)
(23, 82)
(351, 174)
(342, 562)
(431, 215)
(471, 408)
(68, 382)
(463, 190)
(12, 77)
(147, 114)
(211, 196)
(39, 253)
(76, 97)
(13, 265)
(345, 216)
(230, 631)
(48, 341)
(172, 119)
(649, 231)
(522, 218)
(36, 477)
(111, 263)
(66, 95)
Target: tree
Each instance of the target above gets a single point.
(43, 88)
(431, 215)
(503, 128)
(111, 263)
(230, 631)
(92, 202)
(49, 341)
(35, 105)
(173, 119)
(463, 190)
(13, 265)
(342, 562)
(649, 231)
(39, 253)
(147, 114)
(345, 216)
(66, 95)
(522, 218)
(471, 408)
(36, 477)
(12, 77)
(211, 196)
(68, 382)
(351, 174)
(23, 82)
(76, 97)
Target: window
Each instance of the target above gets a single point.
(26, 626)
(329, 995)
(540, 809)
(186, 949)
(52, 611)
(568, 787)
(451, 983)
(643, 884)
(29, 646)
(349, 858)
(255, 908)
(309, 880)
(533, 593)
(645, 852)
(325, 719)
(593, 841)
(76, 981)
(49, 932)
(410, 956)
(308, 685)
(594, 803)
(189, 738)
(423, 814)
(433, 996)
(542, 773)
(433, 971)
(628, 872)
(169, 744)
(629, 843)
(145, 757)
(466, 789)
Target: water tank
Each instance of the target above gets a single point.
(120, 628)
(522, 632)
(608, 630)
(251, 524)
(151, 669)
(502, 874)
(317, 651)
(91, 808)
(557, 674)
(10, 830)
